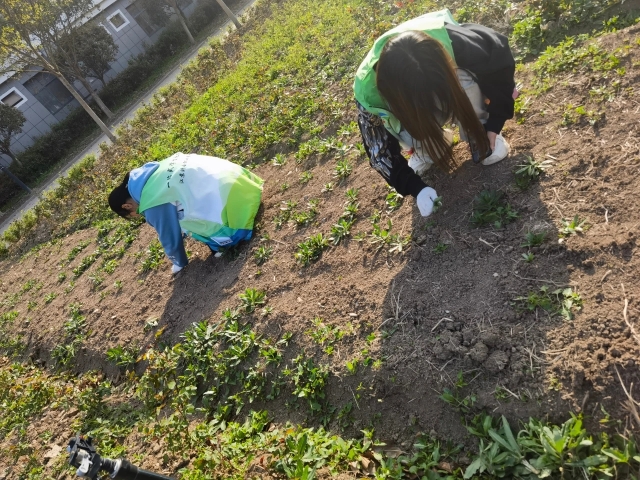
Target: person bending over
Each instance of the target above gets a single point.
(208, 198)
(421, 75)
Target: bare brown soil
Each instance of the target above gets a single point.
(443, 313)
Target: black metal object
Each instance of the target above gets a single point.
(83, 456)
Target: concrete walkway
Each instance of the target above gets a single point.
(124, 116)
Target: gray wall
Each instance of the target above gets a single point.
(131, 40)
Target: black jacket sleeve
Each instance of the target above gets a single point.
(385, 155)
(487, 56)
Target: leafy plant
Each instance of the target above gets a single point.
(534, 239)
(343, 169)
(309, 381)
(393, 200)
(340, 230)
(311, 249)
(530, 171)
(153, 257)
(305, 177)
(528, 257)
(124, 357)
(252, 298)
(490, 208)
(572, 227)
(440, 248)
(50, 297)
(262, 254)
(279, 160)
(562, 301)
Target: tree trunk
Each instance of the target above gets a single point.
(14, 158)
(87, 108)
(95, 96)
(176, 7)
(230, 14)
(14, 178)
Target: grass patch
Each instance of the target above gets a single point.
(491, 209)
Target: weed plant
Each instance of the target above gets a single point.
(491, 209)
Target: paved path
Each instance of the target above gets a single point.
(128, 114)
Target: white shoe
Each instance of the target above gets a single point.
(499, 153)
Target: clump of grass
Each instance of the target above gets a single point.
(532, 239)
(252, 298)
(559, 301)
(340, 230)
(305, 177)
(393, 200)
(279, 160)
(491, 209)
(530, 171)
(573, 227)
(262, 254)
(311, 249)
(154, 255)
(343, 169)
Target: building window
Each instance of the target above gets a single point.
(13, 98)
(117, 20)
(49, 91)
(143, 19)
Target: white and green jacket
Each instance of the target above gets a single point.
(210, 199)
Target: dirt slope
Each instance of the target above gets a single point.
(447, 305)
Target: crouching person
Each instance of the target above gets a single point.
(210, 199)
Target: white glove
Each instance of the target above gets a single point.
(425, 199)
(499, 153)
(175, 269)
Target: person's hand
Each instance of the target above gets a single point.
(175, 269)
(492, 140)
(425, 199)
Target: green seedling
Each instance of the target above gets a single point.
(561, 301)
(528, 257)
(50, 297)
(437, 204)
(284, 187)
(352, 195)
(123, 357)
(328, 187)
(252, 298)
(343, 169)
(340, 230)
(573, 227)
(262, 254)
(62, 277)
(534, 239)
(153, 257)
(305, 177)
(311, 249)
(393, 200)
(279, 160)
(440, 248)
(490, 209)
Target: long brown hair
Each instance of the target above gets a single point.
(417, 78)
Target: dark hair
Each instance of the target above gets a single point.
(119, 196)
(417, 78)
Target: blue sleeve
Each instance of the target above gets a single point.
(164, 219)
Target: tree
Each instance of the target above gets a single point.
(229, 13)
(160, 11)
(11, 122)
(86, 52)
(30, 32)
